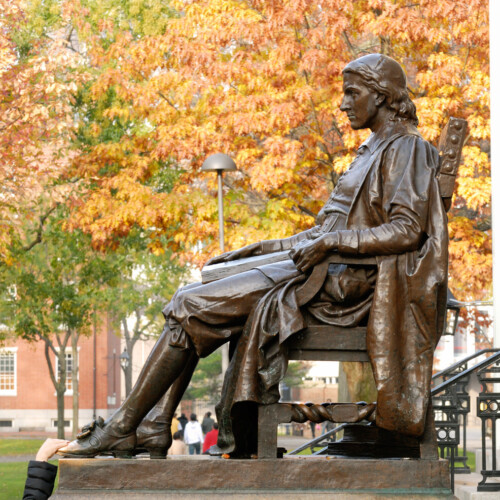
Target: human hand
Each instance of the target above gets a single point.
(311, 252)
(249, 250)
(49, 448)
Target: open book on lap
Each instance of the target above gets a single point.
(225, 269)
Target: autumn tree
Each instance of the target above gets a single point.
(143, 285)
(50, 295)
(206, 382)
(39, 74)
(261, 80)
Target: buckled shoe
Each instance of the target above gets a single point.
(154, 438)
(95, 439)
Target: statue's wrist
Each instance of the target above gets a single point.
(332, 240)
(270, 246)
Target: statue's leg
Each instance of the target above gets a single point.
(117, 434)
(201, 317)
(162, 368)
(154, 433)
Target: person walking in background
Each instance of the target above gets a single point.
(42, 475)
(174, 427)
(211, 437)
(178, 447)
(193, 435)
(182, 421)
(207, 424)
(312, 425)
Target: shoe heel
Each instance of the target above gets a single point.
(157, 453)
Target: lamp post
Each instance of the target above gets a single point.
(453, 307)
(125, 364)
(219, 163)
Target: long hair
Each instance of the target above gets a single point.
(386, 77)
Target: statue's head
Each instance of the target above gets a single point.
(385, 77)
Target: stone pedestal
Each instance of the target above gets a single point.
(297, 477)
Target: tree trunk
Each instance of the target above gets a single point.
(128, 372)
(130, 341)
(59, 385)
(74, 375)
(360, 382)
(60, 390)
(60, 410)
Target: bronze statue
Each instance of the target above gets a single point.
(387, 205)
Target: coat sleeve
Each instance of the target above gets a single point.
(270, 246)
(404, 176)
(40, 480)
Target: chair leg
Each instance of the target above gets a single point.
(267, 444)
(428, 443)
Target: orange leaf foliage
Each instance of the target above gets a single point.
(261, 80)
(36, 122)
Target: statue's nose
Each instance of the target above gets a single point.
(344, 105)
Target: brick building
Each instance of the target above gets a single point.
(28, 397)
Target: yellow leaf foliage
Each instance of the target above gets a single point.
(261, 81)
(38, 77)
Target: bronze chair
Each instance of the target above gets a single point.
(328, 343)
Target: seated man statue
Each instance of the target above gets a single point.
(386, 205)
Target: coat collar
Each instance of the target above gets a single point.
(392, 128)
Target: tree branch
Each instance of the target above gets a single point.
(163, 96)
(39, 231)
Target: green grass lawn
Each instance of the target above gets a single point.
(13, 446)
(12, 478)
(471, 459)
(13, 474)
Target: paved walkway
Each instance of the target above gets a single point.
(16, 458)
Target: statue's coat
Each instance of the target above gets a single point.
(398, 216)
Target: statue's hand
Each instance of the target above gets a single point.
(248, 251)
(311, 252)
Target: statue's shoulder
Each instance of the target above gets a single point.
(406, 135)
(406, 147)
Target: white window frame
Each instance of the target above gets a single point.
(13, 351)
(69, 350)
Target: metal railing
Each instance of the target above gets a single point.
(451, 404)
(320, 442)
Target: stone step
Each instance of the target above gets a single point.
(245, 495)
(300, 477)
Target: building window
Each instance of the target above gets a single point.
(5, 423)
(69, 372)
(67, 423)
(8, 374)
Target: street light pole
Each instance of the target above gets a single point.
(221, 210)
(125, 364)
(219, 162)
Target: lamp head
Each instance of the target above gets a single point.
(124, 359)
(218, 161)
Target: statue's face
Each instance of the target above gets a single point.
(359, 102)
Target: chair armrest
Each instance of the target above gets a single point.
(351, 260)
